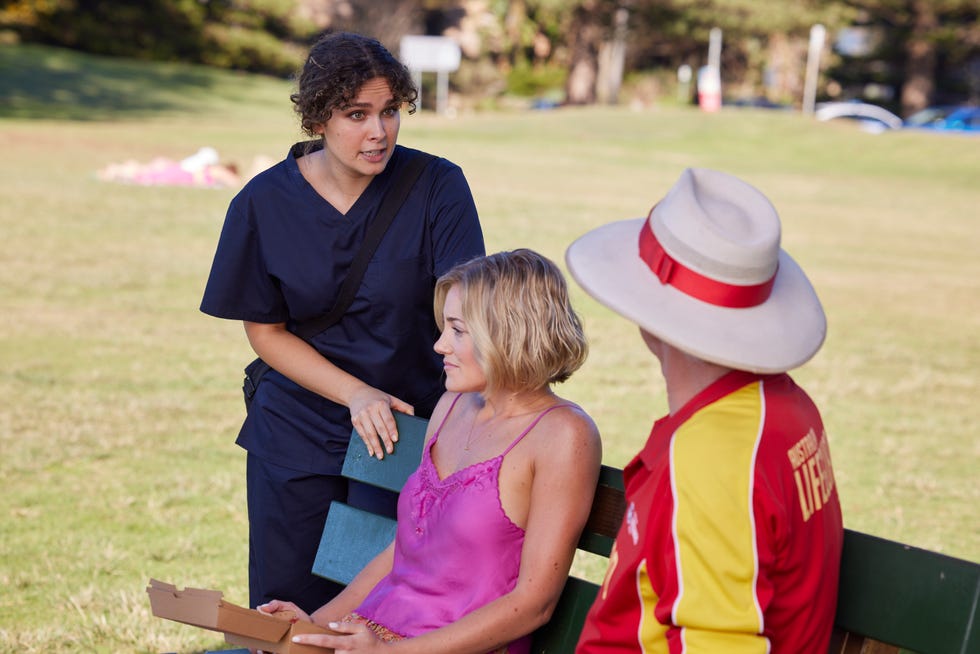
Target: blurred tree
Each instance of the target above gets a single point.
(668, 33)
(580, 47)
(926, 39)
(530, 28)
(386, 20)
(255, 35)
(515, 20)
(155, 29)
(765, 43)
(588, 30)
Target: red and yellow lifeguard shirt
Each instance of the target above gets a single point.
(732, 536)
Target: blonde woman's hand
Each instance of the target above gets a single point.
(353, 638)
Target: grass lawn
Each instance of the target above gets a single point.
(122, 401)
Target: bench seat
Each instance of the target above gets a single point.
(893, 597)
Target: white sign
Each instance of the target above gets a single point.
(430, 54)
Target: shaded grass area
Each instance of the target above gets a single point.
(122, 401)
(56, 84)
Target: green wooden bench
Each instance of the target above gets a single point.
(892, 598)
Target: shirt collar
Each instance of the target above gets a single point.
(667, 425)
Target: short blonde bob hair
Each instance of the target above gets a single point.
(525, 332)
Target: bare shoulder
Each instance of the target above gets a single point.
(569, 431)
(573, 418)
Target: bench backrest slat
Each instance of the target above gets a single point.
(606, 515)
(351, 538)
(393, 470)
(914, 598)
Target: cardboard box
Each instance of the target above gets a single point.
(243, 627)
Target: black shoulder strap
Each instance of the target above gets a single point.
(390, 204)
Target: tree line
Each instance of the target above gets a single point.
(903, 54)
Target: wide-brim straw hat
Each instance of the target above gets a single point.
(704, 272)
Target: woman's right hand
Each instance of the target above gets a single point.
(371, 414)
(370, 408)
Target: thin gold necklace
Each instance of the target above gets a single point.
(488, 433)
(469, 435)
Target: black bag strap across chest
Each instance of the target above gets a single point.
(392, 201)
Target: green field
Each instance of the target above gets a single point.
(122, 401)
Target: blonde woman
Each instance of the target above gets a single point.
(487, 525)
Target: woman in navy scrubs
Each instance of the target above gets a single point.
(288, 240)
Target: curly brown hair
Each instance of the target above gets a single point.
(337, 67)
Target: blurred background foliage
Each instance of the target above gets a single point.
(901, 54)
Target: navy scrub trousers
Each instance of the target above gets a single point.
(287, 509)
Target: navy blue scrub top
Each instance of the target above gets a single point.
(282, 256)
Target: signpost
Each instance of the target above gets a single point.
(817, 35)
(709, 76)
(431, 54)
(684, 75)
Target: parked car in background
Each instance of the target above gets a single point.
(871, 117)
(946, 119)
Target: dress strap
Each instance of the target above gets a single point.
(435, 436)
(534, 422)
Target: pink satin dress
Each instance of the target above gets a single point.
(455, 548)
